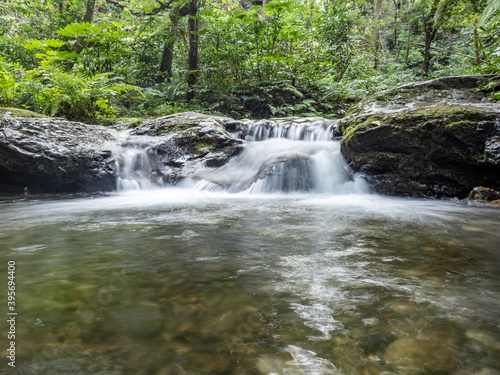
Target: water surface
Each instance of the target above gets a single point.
(184, 281)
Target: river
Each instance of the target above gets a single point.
(236, 274)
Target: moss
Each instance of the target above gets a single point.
(129, 122)
(17, 112)
(179, 124)
(362, 123)
(456, 119)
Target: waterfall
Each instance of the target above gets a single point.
(136, 163)
(281, 156)
(289, 155)
(307, 129)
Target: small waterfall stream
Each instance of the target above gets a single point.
(274, 263)
(281, 156)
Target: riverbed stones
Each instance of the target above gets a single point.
(414, 355)
(54, 155)
(438, 138)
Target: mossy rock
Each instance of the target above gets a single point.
(441, 150)
(455, 119)
(17, 112)
(449, 90)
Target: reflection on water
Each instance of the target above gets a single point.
(177, 281)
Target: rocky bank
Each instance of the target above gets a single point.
(439, 138)
(54, 155)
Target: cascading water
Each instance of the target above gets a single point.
(293, 155)
(281, 156)
(136, 165)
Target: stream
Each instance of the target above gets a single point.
(281, 262)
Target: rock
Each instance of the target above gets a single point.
(139, 320)
(190, 141)
(435, 138)
(17, 112)
(487, 371)
(54, 155)
(484, 194)
(426, 354)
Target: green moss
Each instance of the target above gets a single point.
(362, 123)
(456, 119)
(177, 125)
(130, 122)
(17, 112)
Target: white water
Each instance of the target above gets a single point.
(294, 156)
(137, 170)
(297, 129)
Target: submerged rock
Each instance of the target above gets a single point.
(54, 155)
(436, 138)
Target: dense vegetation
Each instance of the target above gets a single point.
(94, 60)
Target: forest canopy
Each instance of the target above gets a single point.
(94, 60)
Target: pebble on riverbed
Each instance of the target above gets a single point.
(424, 353)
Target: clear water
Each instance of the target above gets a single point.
(179, 281)
(228, 274)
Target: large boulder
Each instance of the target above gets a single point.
(186, 142)
(54, 155)
(436, 138)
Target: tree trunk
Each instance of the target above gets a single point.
(376, 32)
(397, 6)
(408, 39)
(429, 36)
(476, 46)
(168, 50)
(89, 17)
(193, 50)
(430, 33)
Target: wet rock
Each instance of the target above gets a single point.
(487, 371)
(376, 342)
(221, 364)
(188, 142)
(483, 341)
(484, 194)
(423, 354)
(436, 138)
(54, 155)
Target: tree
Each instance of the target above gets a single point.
(376, 33)
(167, 59)
(433, 15)
(192, 74)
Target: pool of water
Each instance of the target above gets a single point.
(183, 281)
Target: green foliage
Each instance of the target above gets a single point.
(74, 96)
(285, 58)
(9, 86)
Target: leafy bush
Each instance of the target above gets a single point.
(74, 96)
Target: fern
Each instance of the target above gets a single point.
(76, 96)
